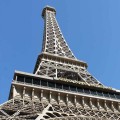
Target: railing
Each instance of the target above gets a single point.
(70, 88)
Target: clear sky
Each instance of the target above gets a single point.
(90, 27)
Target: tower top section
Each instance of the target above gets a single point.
(57, 60)
(48, 8)
(53, 41)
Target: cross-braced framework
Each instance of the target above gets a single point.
(18, 110)
(53, 40)
(61, 88)
(59, 60)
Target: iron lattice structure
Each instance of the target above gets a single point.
(58, 60)
(60, 87)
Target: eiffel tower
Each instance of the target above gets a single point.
(60, 87)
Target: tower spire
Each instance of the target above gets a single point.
(53, 40)
(48, 8)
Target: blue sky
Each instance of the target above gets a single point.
(90, 27)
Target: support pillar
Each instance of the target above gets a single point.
(90, 102)
(58, 98)
(13, 93)
(41, 96)
(24, 94)
(33, 92)
(75, 100)
(98, 104)
(112, 106)
(83, 102)
(67, 99)
(50, 96)
(105, 105)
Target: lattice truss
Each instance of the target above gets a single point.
(56, 69)
(53, 40)
(55, 44)
(29, 110)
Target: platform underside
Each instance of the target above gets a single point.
(17, 109)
